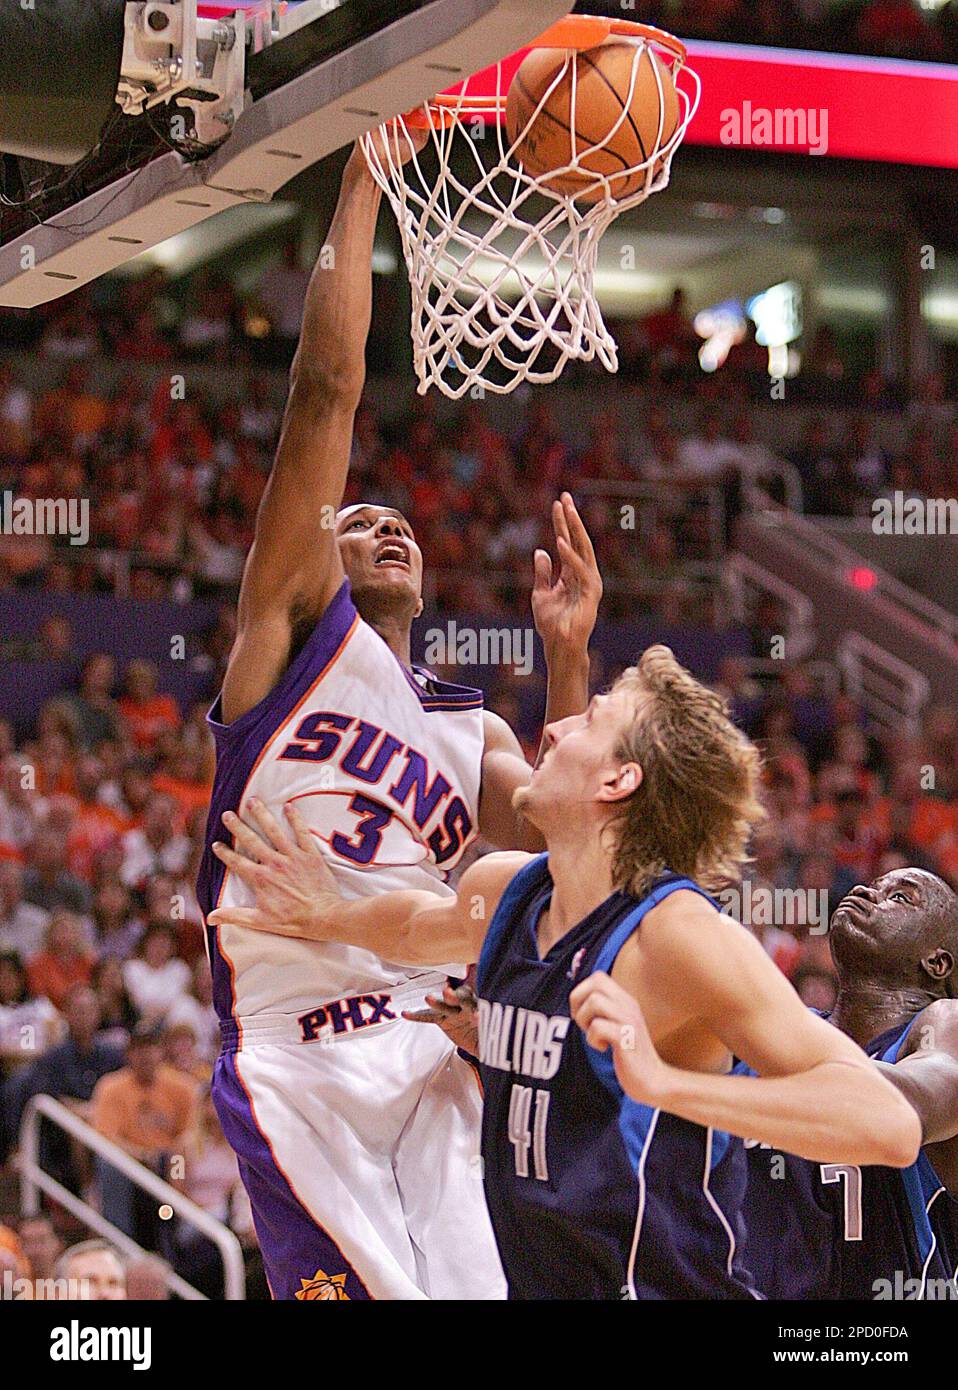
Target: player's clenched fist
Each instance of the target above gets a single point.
(610, 1018)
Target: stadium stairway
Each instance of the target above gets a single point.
(897, 649)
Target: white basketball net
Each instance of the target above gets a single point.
(503, 268)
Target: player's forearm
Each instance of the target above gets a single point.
(930, 1085)
(567, 692)
(331, 357)
(408, 928)
(836, 1112)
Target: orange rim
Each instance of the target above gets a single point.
(586, 31)
(578, 32)
(443, 110)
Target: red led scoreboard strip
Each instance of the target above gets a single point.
(878, 108)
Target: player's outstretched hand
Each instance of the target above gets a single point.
(456, 1013)
(295, 892)
(566, 605)
(611, 1018)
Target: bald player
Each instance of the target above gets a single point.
(357, 1132)
(837, 1230)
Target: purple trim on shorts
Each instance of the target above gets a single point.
(239, 745)
(296, 1251)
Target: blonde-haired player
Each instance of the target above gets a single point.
(610, 1159)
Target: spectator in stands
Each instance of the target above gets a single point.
(145, 712)
(28, 1021)
(56, 639)
(95, 1269)
(95, 824)
(65, 960)
(150, 1111)
(13, 1266)
(213, 1183)
(156, 847)
(211, 319)
(670, 338)
(118, 1012)
(118, 929)
(23, 925)
(147, 1279)
(195, 1011)
(41, 1246)
(156, 978)
(181, 1052)
(281, 295)
(69, 1072)
(47, 881)
(94, 706)
(894, 27)
(16, 417)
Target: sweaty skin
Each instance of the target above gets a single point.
(895, 945)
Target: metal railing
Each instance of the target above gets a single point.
(34, 1179)
(892, 692)
(917, 612)
(744, 578)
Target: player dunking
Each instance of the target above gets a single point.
(608, 1162)
(357, 1133)
(836, 1230)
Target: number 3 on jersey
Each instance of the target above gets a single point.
(520, 1110)
(373, 816)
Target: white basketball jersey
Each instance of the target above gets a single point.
(384, 768)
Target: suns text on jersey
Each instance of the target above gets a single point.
(373, 756)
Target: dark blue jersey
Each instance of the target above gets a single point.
(591, 1195)
(839, 1231)
(944, 1216)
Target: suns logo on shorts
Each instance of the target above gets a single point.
(323, 1287)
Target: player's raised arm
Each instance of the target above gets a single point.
(816, 1093)
(928, 1077)
(296, 895)
(565, 604)
(293, 569)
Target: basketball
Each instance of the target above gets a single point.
(605, 143)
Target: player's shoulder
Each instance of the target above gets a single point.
(485, 881)
(935, 1029)
(498, 734)
(684, 911)
(686, 926)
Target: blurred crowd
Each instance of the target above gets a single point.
(174, 472)
(105, 996)
(893, 28)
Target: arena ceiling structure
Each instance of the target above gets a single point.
(123, 124)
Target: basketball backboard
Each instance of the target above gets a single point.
(311, 77)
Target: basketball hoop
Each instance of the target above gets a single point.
(502, 265)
